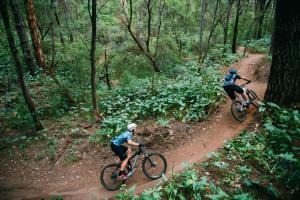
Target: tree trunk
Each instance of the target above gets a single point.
(128, 22)
(106, 71)
(161, 8)
(61, 36)
(19, 68)
(93, 17)
(226, 21)
(201, 24)
(149, 11)
(235, 29)
(212, 29)
(19, 23)
(284, 82)
(260, 9)
(67, 19)
(35, 37)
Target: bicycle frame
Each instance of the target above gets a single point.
(135, 157)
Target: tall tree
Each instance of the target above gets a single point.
(212, 29)
(225, 20)
(93, 17)
(19, 23)
(201, 31)
(284, 82)
(236, 24)
(67, 19)
(260, 9)
(19, 68)
(35, 37)
(127, 21)
(54, 3)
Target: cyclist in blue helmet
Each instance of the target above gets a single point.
(230, 87)
(124, 152)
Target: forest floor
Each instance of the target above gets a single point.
(23, 175)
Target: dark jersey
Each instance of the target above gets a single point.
(230, 79)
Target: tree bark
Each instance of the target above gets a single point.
(260, 9)
(67, 19)
(235, 29)
(201, 24)
(149, 11)
(128, 24)
(93, 17)
(284, 82)
(19, 68)
(19, 23)
(226, 21)
(212, 29)
(35, 37)
(161, 8)
(106, 71)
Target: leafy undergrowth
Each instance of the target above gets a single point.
(261, 164)
(187, 96)
(259, 46)
(187, 92)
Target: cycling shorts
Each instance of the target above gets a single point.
(230, 89)
(119, 151)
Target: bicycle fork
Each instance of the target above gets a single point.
(153, 164)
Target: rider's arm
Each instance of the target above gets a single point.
(132, 143)
(239, 77)
(245, 79)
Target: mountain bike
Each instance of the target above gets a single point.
(239, 109)
(153, 166)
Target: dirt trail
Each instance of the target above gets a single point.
(212, 134)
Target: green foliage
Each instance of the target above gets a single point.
(52, 147)
(72, 155)
(188, 97)
(220, 55)
(163, 121)
(260, 46)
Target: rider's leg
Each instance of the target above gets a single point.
(125, 161)
(240, 90)
(244, 96)
(229, 89)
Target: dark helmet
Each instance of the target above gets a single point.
(232, 71)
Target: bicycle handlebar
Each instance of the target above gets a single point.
(248, 81)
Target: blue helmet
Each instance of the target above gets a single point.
(232, 71)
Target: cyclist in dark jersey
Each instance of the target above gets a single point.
(123, 152)
(230, 87)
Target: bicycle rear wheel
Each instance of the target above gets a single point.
(109, 177)
(154, 165)
(253, 98)
(237, 110)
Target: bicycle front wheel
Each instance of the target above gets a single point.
(154, 165)
(253, 98)
(237, 110)
(109, 177)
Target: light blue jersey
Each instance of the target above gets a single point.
(122, 138)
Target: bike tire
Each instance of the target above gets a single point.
(153, 159)
(253, 98)
(239, 115)
(112, 171)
